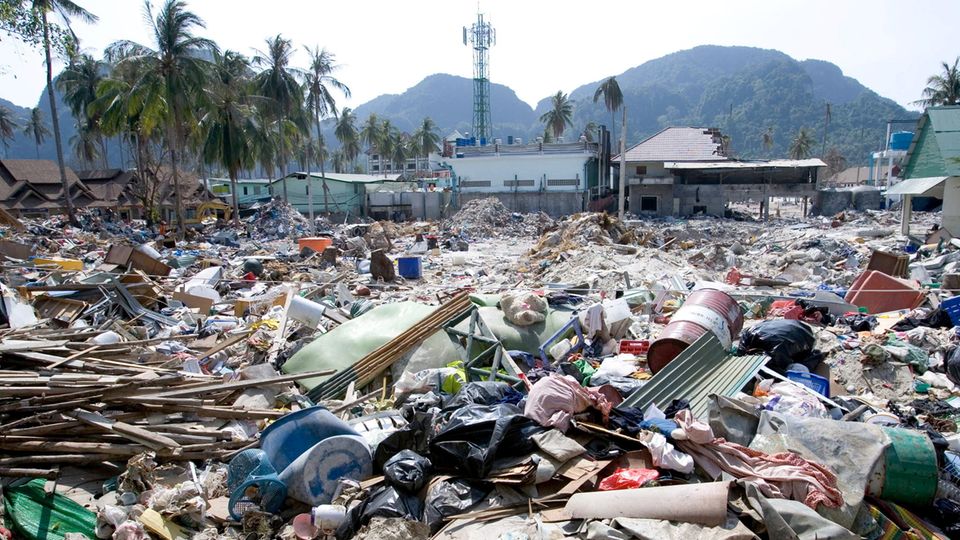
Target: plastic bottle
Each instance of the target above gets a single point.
(948, 490)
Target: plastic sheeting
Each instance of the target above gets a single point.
(32, 515)
(851, 449)
(343, 346)
(346, 344)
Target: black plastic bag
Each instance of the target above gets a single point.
(860, 322)
(451, 497)
(407, 470)
(473, 437)
(414, 436)
(937, 318)
(389, 502)
(786, 341)
(483, 393)
(952, 366)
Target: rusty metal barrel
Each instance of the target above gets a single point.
(706, 310)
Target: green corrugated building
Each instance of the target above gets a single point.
(932, 166)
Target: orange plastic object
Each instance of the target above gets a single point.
(879, 292)
(316, 243)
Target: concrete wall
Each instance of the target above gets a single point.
(537, 170)
(663, 193)
(554, 204)
(830, 202)
(709, 198)
(424, 205)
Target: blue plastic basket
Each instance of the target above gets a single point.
(952, 307)
(814, 382)
(253, 484)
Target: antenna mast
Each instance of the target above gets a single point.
(481, 35)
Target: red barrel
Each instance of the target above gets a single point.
(706, 310)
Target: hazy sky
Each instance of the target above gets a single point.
(388, 46)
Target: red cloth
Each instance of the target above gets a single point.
(782, 475)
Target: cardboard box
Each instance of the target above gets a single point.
(192, 301)
(243, 304)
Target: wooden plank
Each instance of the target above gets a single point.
(125, 430)
(229, 342)
(250, 383)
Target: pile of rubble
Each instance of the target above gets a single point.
(278, 219)
(590, 378)
(489, 217)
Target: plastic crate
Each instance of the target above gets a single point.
(636, 347)
(814, 382)
(952, 307)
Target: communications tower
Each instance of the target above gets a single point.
(481, 36)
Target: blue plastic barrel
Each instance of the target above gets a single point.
(410, 267)
(289, 437)
(313, 477)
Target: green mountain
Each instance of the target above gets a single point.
(448, 100)
(744, 91)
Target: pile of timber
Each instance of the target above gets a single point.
(64, 400)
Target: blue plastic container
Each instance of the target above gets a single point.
(253, 484)
(952, 307)
(410, 267)
(814, 382)
(900, 140)
(289, 437)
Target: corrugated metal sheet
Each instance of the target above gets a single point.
(703, 369)
(925, 187)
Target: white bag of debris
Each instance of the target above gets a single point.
(524, 309)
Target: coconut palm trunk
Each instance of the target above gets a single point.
(178, 200)
(67, 196)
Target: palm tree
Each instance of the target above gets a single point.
(129, 116)
(767, 139)
(66, 9)
(589, 130)
(370, 132)
(339, 160)
(425, 139)
(278, 82)
(943, 88)
(170, 76)
(612, 98)
(78, 82)
(319, 81)
(85, 143)
(560, 114)
(401, 146)
(387, 138)
(229, 120)
(346, 132)
(36, 128)
(802, 145)
(8, 125)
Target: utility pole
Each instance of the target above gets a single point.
(623, 163)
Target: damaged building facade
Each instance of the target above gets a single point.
(538, 177)
(682, 171)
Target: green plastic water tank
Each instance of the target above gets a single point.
(910, 468)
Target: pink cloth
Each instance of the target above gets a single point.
(782, 475)
(553, 400)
